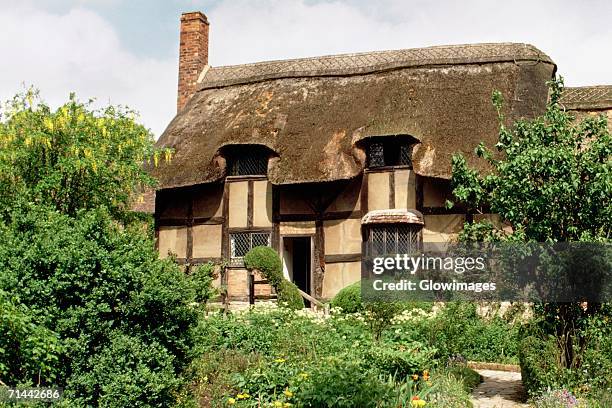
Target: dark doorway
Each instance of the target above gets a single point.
(296, 256)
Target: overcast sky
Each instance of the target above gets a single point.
(125, 51)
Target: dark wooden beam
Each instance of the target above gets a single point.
(336, 215)
(189, 254)
(337, 258)
(276, 218)
(250, 204)
(392, 189)
(419, 192)
(235, 230)
(364, 194)
(439, 211)
(319, 259)
(181, 222)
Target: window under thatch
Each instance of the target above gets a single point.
(389, 151)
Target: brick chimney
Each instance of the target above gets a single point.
(193, 54)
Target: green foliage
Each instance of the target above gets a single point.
(320, 361)
(74, 157)
(84, 278)
(470, 378)
(202, 278)
(85, 302)
(458, 330)
(268, 263)
(25, 346)
(289, 295)
(542, 366)
(349, 298)
(126, 373)
(342, 382)
(450, 391)
(400, 360)
(552, 179)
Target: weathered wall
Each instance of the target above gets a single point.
(342, 236)
(338, 276)
(442, 228)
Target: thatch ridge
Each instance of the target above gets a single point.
(587, 97)
(369, 62)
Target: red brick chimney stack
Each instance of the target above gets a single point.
(193, 54)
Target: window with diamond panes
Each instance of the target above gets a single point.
(394, 239)
(243, 242)
(249, 164)
(389, 151)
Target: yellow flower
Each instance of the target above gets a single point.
(279, 360)
(426, 375)
(415, 377)
(278, 404)
(231, 401)
(243, 396)
(288, 393)
(417, 402)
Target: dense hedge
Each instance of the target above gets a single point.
(92, 303)
(349, 298)
(541, 359)
(268, 263)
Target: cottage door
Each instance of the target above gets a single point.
(297, 256)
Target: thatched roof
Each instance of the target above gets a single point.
(313, 112)
(587, 97)
(393, 216)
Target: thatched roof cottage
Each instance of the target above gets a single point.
(313, 156)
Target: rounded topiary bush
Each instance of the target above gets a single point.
(349, 298)
(289, 294)
(268, 263)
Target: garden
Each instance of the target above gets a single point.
(87, 306)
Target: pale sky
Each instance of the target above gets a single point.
(126, 51)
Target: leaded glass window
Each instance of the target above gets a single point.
(386, 239)
(249, 164)
(243, 242)
(389, 151)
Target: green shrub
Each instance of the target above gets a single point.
(540, 367)
(289, 295)
(450, 392)
(541, 355)
(399, 361)
(25, 346)
(349, 298)
(267, 262)
(457, 329)
(202, 279)
(342, 381)
(126, 373)
(84, 278)
(469, 377)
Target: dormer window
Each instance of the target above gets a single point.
(247, 161)
(389, 151)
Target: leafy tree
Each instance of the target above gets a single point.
(74, 157)
(551, 180)
(85, 301)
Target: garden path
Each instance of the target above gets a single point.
(499, 389)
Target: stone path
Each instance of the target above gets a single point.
(499, 389)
